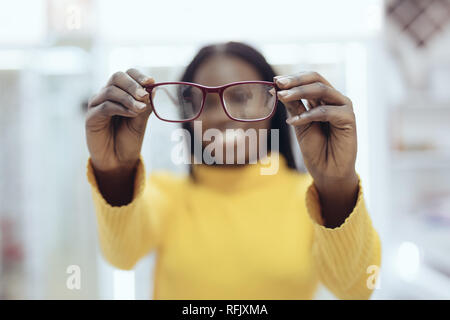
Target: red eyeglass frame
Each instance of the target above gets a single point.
(205, 90)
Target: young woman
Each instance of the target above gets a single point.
(227, 231)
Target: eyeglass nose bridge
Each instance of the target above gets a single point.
(214, 90)
(218, 90)
(217, 104)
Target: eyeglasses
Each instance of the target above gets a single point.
(246, 101)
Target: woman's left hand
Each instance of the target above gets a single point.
(326, 133)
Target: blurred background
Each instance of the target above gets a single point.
(392, 58)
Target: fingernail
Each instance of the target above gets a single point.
(140, 105)
(141, 93)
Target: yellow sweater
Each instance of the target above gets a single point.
(236, 234)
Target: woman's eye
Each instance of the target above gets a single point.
(187, 94)
(239, 96)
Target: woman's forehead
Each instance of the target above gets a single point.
(222, 69)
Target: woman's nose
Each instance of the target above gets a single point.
(213, 107)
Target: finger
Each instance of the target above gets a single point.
(123, 81)
(314, 91)
(299, 79)
(115, 94)
(294, 107)
(339, 116)
(139, 77)
(108, 109)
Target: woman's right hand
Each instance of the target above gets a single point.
(115, 127)
(116, 121)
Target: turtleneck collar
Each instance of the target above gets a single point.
(234, 178)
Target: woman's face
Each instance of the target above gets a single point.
(220, 70)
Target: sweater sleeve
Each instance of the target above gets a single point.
(346, 256)
(127, 233)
